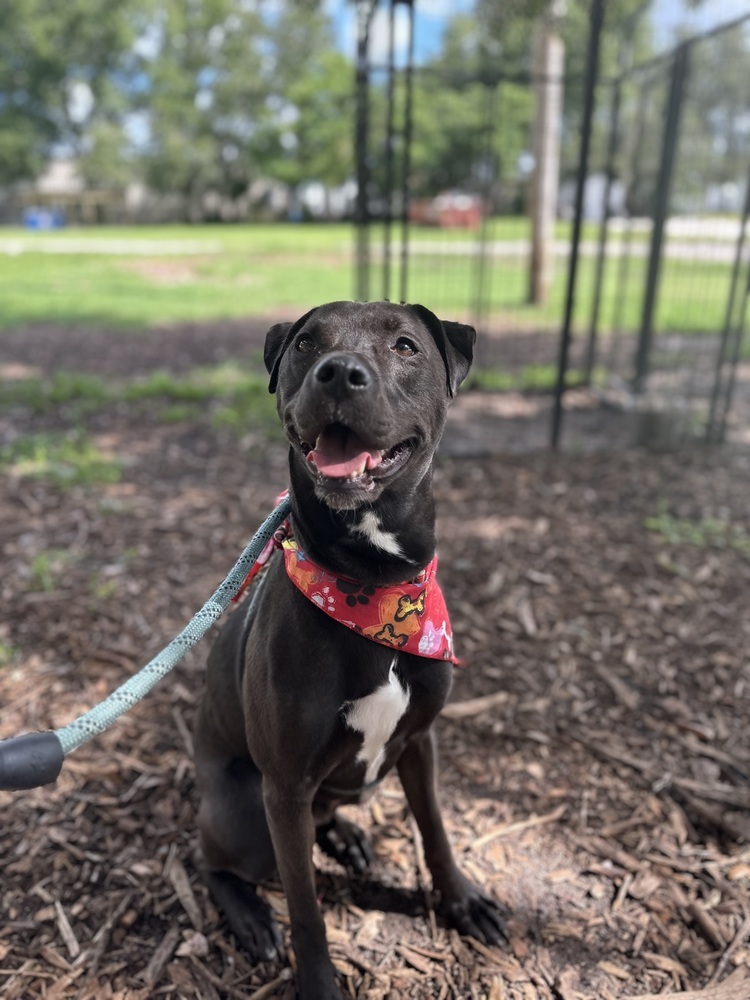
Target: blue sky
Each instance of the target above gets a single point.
(668, 15)
(431, 17)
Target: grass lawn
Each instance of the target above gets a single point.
(138, 277)
(223, 272)
(692, 294)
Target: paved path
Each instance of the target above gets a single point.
(714, 251)
(34, 243)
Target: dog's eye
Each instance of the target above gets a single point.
(305, 344)
(404, 348)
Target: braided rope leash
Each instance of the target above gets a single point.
(36, 758)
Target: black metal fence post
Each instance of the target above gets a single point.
(661, 210)
(734, 359)
(623, 269)
(365, 11)
(483, 274)
(389, 127)
(592, 68)
(609, 170)
(715, 426)
(406, 160)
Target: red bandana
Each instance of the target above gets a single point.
(408, 616)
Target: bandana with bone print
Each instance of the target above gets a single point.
(409, 617)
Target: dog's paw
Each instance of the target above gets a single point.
(317, 990)
(476, 915)
(249, 917)
(346, 843)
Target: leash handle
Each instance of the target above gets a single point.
(36, 758)
(30, 761)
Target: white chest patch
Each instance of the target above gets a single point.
(376, 717)
(372, 530)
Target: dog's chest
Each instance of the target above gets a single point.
(376, 716)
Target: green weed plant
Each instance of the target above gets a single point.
(705, 533)
(66, 459)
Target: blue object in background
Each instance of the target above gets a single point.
(37, 217)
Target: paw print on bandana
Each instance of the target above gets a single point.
(432, 638)
(355, 592)
(325, 600)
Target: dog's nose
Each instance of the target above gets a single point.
(342, 373)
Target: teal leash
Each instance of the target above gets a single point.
(36, 759)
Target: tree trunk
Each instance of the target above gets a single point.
(549, 54)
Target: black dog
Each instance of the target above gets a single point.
(302, 714)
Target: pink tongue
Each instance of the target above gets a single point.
(341, 454)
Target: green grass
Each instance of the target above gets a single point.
(9, 654)
(47, 570)
(75, 392)
(224, 272)
(222, 388)
(235, 271)
(706, 533)
(692, 295)
(117, 290)
(66, 459)
(530, 378)
(226, 394)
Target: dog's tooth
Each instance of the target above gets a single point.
(358, 473)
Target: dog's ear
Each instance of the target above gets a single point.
(278, 338)
(455, 341)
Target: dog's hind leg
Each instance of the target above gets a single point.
(237, 851)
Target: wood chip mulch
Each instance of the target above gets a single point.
(594, 759)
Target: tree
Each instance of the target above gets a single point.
(55, 60)
(309, 138)
(715, 130)
(468, 126)
(202, 96)
(312, 139)
(234, 91)
(506, 32)
(193, 96)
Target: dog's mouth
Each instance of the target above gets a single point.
(340, 455)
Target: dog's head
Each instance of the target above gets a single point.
(363, 390)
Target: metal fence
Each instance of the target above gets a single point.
(463, 250)
(648, 305)
(666, 326)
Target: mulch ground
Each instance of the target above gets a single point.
(594, 759)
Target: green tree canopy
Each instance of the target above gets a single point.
(55, 64)
(190, 96)
(203, 96)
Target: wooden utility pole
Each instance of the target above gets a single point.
(549, 53)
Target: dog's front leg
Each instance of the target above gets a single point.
(463, 905)
(290, 820)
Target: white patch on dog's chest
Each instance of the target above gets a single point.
(372, 530)
(376, 717)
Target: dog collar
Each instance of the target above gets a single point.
(410, 617)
